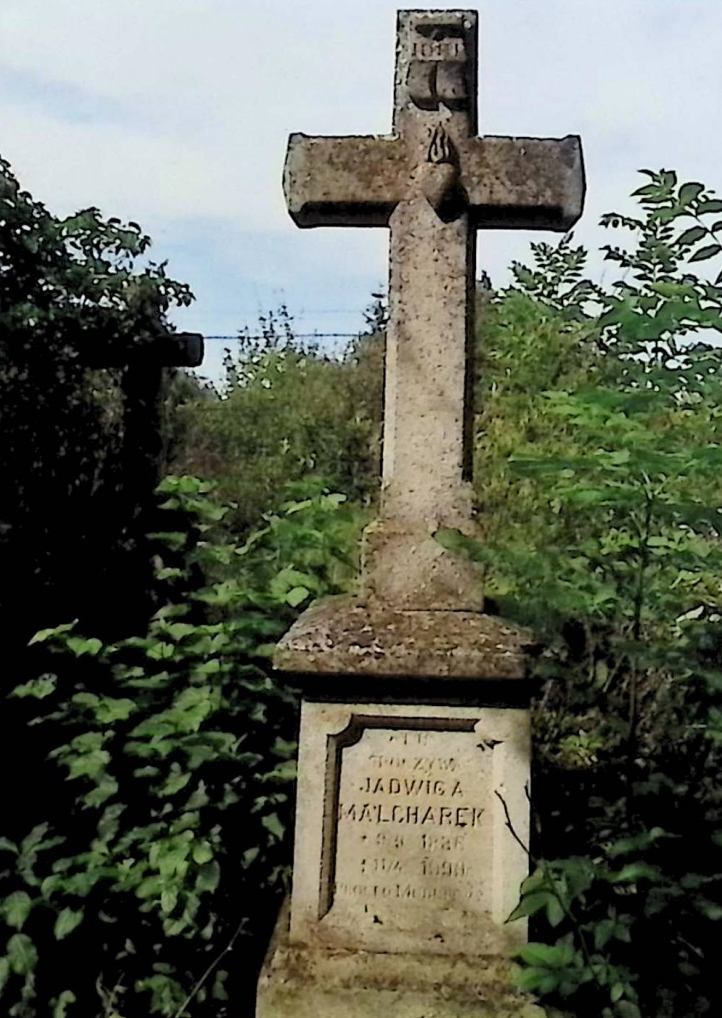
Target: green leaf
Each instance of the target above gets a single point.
(688, 192)
(16, 908)
(202, 852)
(66, 922)
(208, 877)
(692, 235)
(80, 646)
(250, 856)
(555, 911)
(22, 954)
(634, 872)
(46, 634)
(297, 595)
(616, 992)
(4, 971)
(540, 981)
(627, 1009)
(274, 826)
(60, 1004)
(713, 205)
(38, 688)
(706, 252)
(547, 955)
(112, 709)
(530, 904)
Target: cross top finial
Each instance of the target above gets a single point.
(437, 57)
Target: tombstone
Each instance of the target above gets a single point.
(413, 788)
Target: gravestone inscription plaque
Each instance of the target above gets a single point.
(408, 828)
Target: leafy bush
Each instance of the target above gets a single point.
(287, 411)
(179, 750)
(75, 294)
(609, 542)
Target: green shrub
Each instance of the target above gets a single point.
(178, 749)
(605, 492)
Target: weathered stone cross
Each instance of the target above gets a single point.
(433, 182)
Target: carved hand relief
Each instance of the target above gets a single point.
(439, 175)
(438, 69)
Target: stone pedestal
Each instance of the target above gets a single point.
(313, 982)
(412, 813)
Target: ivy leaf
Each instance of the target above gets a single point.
(16, 909)
(635, 871)
(112, 709)
(547, 955)
(66, 922)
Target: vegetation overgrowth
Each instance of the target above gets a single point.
(598, 453)
(80, 300)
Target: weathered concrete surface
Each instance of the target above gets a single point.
(413, 806)
(402, 842)
(303, 982)
(433, 182)
(340, 637)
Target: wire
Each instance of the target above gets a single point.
(297, 335)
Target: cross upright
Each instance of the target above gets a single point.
(433, 182)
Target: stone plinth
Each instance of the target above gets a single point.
(340, 637)
(298, 981)
(413, 770)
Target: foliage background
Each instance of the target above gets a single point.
(598, 447)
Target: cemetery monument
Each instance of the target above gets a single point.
(414, 745)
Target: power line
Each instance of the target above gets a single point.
(296, 335)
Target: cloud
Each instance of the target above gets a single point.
(175, 113)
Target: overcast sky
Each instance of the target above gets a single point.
(175, 113)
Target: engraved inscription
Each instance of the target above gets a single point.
(438, 49)
(412, 823)
(438, 70)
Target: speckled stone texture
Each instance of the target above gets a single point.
(413, 790)
(341, 637)
(433, 182)
(307, 982)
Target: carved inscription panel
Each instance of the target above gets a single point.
(413, 831)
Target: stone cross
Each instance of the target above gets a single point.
(433, 182)
(412, 807)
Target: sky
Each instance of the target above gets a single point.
(176, 114)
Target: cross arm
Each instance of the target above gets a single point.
(347, 181)
(524, 183)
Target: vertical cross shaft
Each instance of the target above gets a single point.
(427, 441)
